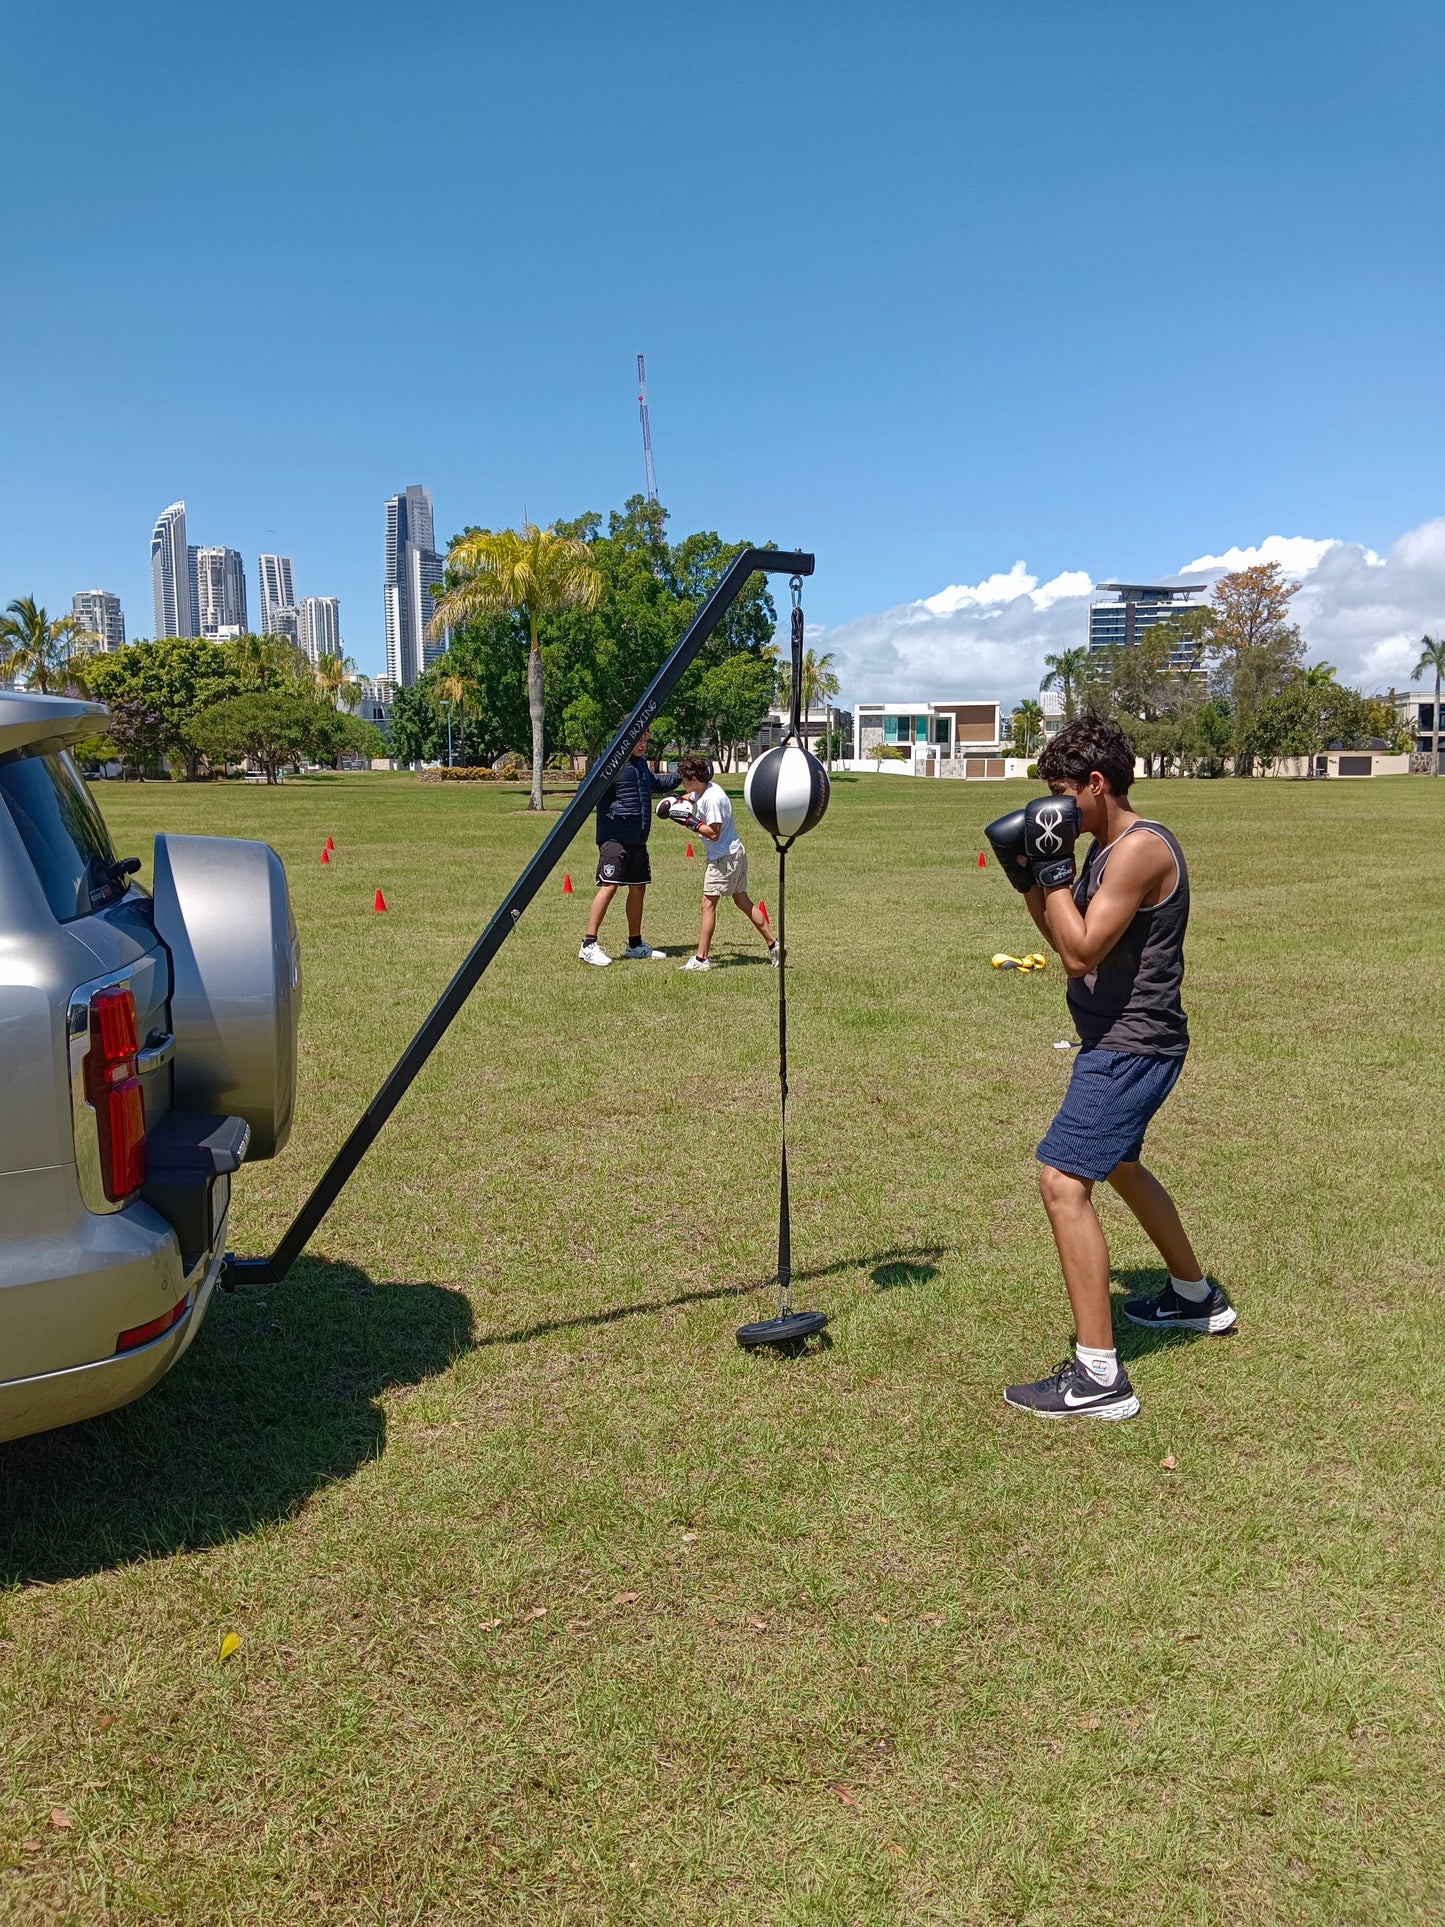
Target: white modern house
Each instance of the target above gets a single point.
(942, 738)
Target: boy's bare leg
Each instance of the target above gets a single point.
(756, 917)
(707, 926)
(598, 911)
(636, 892)
(1155, 1210)
(1082, 1252)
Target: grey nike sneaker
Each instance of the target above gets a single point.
(1070, 1392)
(644, 953)
(1168, 1311)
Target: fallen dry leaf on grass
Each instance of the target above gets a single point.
(1169, 1463)
(758, 1625)
(626, 1598)
(930, 1619)
(882, 1618)
(688, 1537)
(60, 1819)
(229, 1643)
(105, 1722)
(30, 1846)
(841, 1793)
(489, 1625)
(537, 1612)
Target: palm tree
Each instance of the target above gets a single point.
(1319, 675)
(38, 649)
(818, 682)
(1066, 672)
(1028, 724)
(529, 571)
(1432, 656)
(335, 675)
(452, 689)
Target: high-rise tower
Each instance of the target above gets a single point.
(98, 611)
(278, 589)
(412, 565)
(171, 574)
(220, 592)
(318, 626)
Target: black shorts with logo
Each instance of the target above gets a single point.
(623, 863)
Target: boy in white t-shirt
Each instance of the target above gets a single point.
(711, 812)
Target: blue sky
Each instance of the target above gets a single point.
(930, 289)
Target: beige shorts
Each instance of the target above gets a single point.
(728, 878)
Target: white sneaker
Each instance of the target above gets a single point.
(644, 953)
(593, 953)
(775, 956)
(698, 963)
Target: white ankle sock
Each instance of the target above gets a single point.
(1195, 1290)
(1102, 1366)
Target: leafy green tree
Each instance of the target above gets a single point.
(1254, 648)
(1307, 718)
(732, 699)
(273, 728)
(417, 733)
(1432, 656)
(531, 572)
(171, 681)
(39, 648)
(1207, 737)
(268, 662)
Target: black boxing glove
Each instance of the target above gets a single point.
(1006, 836)
(1051, 827)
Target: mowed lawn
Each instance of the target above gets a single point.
(555, 1607)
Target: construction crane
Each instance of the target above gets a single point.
(646, 429)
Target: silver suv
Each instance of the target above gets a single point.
(147, 1046)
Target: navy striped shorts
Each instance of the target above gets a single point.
(1111, 1098)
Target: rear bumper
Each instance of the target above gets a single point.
(44, 1400)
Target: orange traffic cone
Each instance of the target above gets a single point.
(325, 858)
(981, 864)
(380, 903)
(329, 844)
(688, 850)
(566, 886)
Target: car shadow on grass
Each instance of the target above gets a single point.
(278, 1396)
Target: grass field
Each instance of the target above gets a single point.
(554, 1607)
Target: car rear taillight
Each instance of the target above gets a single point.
(113, 1091)
(154, 1327)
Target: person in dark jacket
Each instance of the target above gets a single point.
(624, 818)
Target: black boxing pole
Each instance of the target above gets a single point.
(270, 1271)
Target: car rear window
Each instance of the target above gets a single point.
(62, 830)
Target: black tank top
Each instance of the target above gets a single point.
(1130, 1002)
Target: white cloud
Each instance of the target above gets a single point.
(1295, 554)
(1361, 611)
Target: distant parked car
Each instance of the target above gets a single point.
(147, 1047)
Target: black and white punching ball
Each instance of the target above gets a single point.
(787, 791)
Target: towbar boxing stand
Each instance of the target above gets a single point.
(270, 1271)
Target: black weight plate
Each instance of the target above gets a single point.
(789, 1330)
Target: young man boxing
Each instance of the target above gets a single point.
(1119, 931)
(624, 817)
